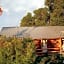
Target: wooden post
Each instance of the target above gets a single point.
(62, 47)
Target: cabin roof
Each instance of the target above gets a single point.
(45, 32)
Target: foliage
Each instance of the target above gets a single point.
(16, 51)
(38, 19)
(56, 8)
(51, 15)
(27, 20)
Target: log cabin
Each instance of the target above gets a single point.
(47, 39)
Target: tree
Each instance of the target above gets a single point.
(16, 50)
(52, 14)
(40, 16)
(56, 8)
(27, 20)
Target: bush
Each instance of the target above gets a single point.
(16, 51)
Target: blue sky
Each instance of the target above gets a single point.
(14, 10)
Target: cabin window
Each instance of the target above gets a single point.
(53, 45)
(38, 46)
